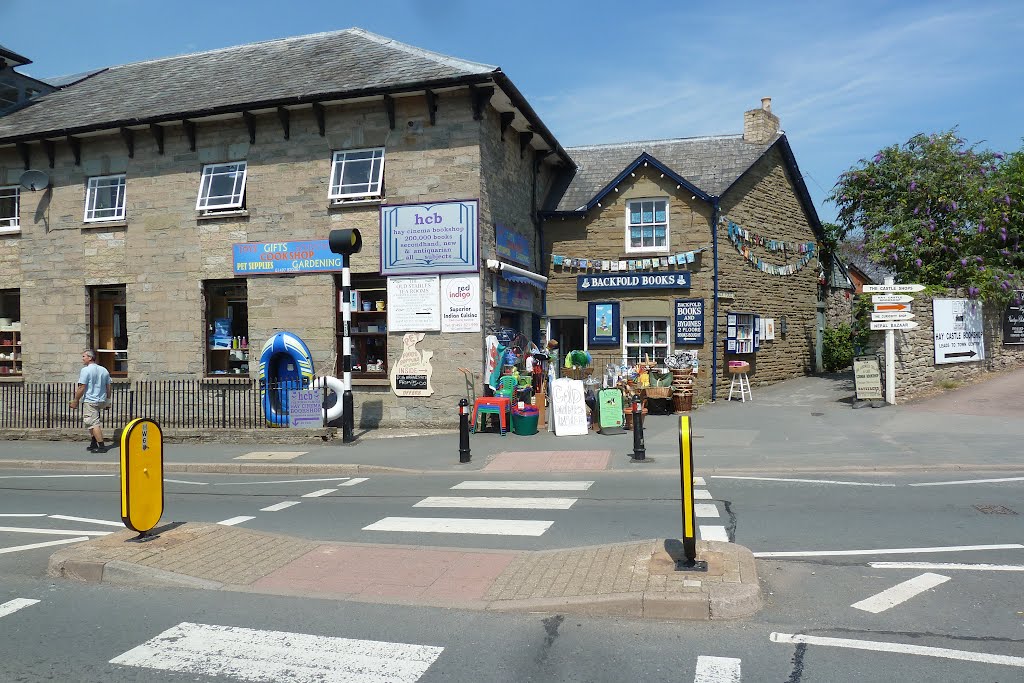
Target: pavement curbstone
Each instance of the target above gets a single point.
(688, 606)
(129, 574)
(734, 601)
(607, 605)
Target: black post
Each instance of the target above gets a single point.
(464, 455)
(639, 451)
(346, 242)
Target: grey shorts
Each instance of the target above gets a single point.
(91, 414)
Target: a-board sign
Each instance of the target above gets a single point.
(867, 378)
(959, 332)
(1013, 323)
(305, 408)
(568, 407)
(609, 402)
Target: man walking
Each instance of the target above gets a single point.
(93, 392)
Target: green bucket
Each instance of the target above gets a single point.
(525, 423)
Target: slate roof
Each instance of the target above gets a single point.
(710, 163)
(12, 56)
(852, 252)
(278, 72)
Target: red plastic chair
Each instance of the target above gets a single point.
(493, 404)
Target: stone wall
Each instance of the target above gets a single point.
(838, 307)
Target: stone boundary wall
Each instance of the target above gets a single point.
(916, 370)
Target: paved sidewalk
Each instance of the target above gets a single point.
(635, 579)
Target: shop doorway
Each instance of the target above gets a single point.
(568, 332)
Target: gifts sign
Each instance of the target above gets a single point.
(568, 407)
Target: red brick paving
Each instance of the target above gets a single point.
(549, 461)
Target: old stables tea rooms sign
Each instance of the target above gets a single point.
(429, 239)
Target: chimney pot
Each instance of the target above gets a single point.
(766, 103)
(760, 126)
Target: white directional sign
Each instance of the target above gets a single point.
(891, 299)
(887, 289)
(893, 325)
(959, 331)
(892, 315)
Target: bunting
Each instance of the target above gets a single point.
(745, 240)
(683, 258)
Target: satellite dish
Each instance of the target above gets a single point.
(34, 180)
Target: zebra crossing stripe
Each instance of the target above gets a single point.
(12, 606)
(525, 485)
(702, 494)
(53, 532)
(235, 520)
(353, 482)
(317, 494)
(254, 655)
(713, 533)
(276, 507)
(496, 503)
(717, 670)
(450, 525)
(705, 510)
(901, 592)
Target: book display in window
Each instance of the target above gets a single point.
(743, 333)
(369, 330)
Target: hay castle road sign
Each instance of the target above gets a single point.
(893, 325)
(892, 315)
(883, 289)
(891, 299)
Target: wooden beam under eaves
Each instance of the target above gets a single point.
(432, 106)
(158, 136)
(321, 118)
(286, 122)
(250, 125)
(524, 142)
(129, 141)
(76, 149)
(190, 131)
(507, 117)
(26, 154)
(480, 98)
(389, 107)
(51, 151)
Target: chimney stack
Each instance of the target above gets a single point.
(760, 126)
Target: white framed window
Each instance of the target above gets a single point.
(357, 174)
(222, 186)
(104, 198)
(646, 338)
(647, 225)
(10, 214)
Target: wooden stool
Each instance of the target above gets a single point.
(739, 369)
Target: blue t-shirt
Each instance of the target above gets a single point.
(96, 380)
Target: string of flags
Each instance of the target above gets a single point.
(621, 265)
(743, 240)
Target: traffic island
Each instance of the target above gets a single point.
(636, 579)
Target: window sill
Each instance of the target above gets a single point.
(10, 379)
(241, 213)
(371, 382)
(10, 231)
(660, 251)
(342, 203)
(100, 225)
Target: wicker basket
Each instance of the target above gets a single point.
(682, 403)
(658, 392)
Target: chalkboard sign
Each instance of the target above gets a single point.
(1013, 323)
(568, 407)
(410, 381)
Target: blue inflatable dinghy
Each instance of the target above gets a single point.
(285, 364)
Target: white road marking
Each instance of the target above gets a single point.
(702, 494)
(181, 481)
(900, 648)
(281, 481)
(891, 551)
(317, 494)
(23, 514)
(251, 655)
(449, 525)
(705, 510)
(280, 506)
(948, 565)
(353, 482)
(803, 481)
(901, 592)
(53, 476)
(713, 533)
(968, 481)
(496, 503)
(526, 485)
(717, 670)
(235, 520)
(53, 532)
(12, 606)
(699, 481)
(87, 519)
(45, 544)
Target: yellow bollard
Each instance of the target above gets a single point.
(142, 475)
(689, 562)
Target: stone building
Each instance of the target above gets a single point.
(705, 244)
(189, 201)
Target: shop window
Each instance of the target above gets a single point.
(10, 217)
(647, 225)
(222, 187)
(109, 323)
(227, 327)
(369, 327)
(357, 174)
(646, 338)
(105, 198)
(743, 333)
(10, 333)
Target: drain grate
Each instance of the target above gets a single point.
(994, 510)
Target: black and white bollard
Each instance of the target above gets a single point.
(639, 451)
(464, 455)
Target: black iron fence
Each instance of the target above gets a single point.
(242, 403)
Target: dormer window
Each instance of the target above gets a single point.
(357, 174)
(222, 187)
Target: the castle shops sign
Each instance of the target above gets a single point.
(587, 283)
(429, 238)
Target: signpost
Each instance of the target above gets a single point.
(891, 312)
(892, 315)
(890, 325)
(889, 287)
(891, 299)
(892, 307)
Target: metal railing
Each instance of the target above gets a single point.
(182, 404)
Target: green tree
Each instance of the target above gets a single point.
(938, 211)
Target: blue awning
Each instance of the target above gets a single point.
(523, 280)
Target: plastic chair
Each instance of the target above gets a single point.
(506, 386)
(500, 405)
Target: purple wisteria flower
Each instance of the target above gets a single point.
(919, 263)
(963, 262)
(972, 292)
(913, 185)
(949, 276)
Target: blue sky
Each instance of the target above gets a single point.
(845, 78)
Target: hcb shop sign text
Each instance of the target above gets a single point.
(586, 283)
(429, 239)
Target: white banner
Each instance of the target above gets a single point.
(414, 304)
(460, 303)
